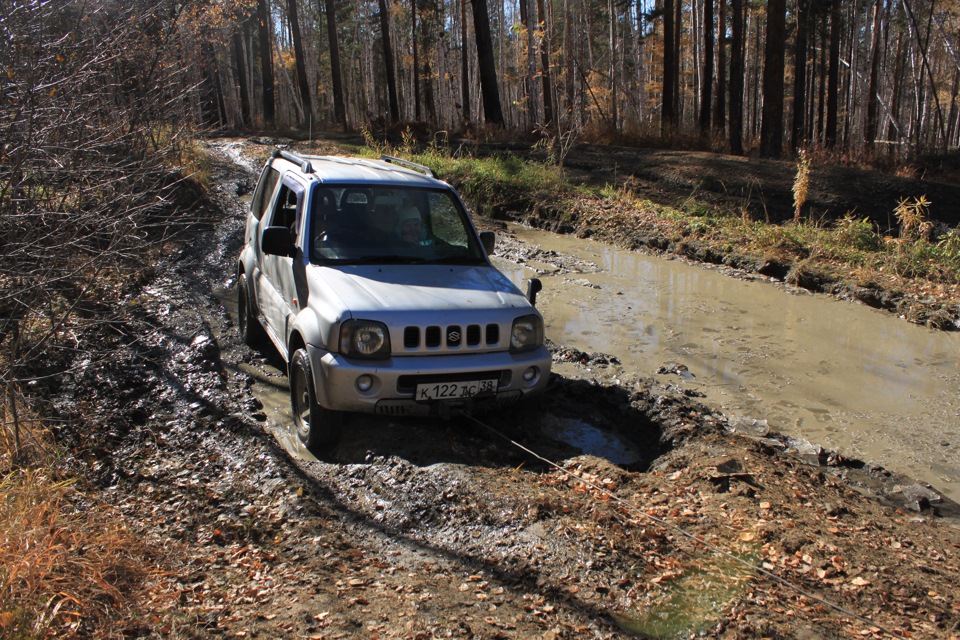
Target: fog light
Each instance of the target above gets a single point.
(364, 383)
(531, 374)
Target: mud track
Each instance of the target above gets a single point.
(423, 529)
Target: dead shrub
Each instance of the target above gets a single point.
(93, 176)
(65, 569)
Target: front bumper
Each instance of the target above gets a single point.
(394, 380)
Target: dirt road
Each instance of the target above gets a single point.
(422, 529)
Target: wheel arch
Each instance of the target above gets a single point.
(296, 342)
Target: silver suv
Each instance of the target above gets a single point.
(377, 290)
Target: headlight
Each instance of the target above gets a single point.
(364, 339)
(527, 333)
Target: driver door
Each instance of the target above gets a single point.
(276, 287)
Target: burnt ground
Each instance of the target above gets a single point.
(429, 529)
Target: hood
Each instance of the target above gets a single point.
(372, 290)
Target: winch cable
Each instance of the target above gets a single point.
(683, 532)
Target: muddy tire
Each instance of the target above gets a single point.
(317, 427)
(251, 331)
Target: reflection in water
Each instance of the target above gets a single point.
(591, 440)
(845, 376)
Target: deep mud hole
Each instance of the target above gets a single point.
(422, 529)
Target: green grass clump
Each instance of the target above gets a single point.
(491, 183)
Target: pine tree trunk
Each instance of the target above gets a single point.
(531, 62)
(719, 106)
(952, 118)
(893, 132)
(416, 60)
(873, 99)
(388, 62)
(677, 60)
(706, 96)
(736, 77)
(833, 78)
(238, 57)
(614, 110)
(757, 84)
(464, 63)
(492, 112)
(798, 134)
(545, 65)
(668, 110)
(771, 128)
(428, 44)
(339, 109)
(569, 58)
(266, 63)
(822, 76)
(300, 59)
(641, 93)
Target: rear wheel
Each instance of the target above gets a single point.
(251, 331)
(317, 427)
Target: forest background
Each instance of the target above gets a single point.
(857, 76)
(101, 102)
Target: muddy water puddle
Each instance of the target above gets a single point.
(844, 376)
(269, 384)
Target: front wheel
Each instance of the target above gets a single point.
(317, 427)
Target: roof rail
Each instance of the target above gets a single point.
(411, 165)
(305, 165)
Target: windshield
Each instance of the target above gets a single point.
(384, 225)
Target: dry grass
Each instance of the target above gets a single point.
(68, 567)
(801, 185)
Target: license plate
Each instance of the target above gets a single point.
(454, 390)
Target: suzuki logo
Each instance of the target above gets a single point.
(453, 337)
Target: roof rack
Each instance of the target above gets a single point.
(411, 165)
(305, 165)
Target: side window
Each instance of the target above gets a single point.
(285, 210)
(261, 198)
(445, 220)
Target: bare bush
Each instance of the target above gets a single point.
(94, 110)
(96, 100)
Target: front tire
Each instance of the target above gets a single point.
(251, 331)
(317, 427)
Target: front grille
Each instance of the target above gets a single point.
(473, 335)
(452, 337)
(411, 337)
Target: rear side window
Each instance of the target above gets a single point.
(261, 198)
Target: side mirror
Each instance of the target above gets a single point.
(277, 242)
(488, 239)
(534, 286)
